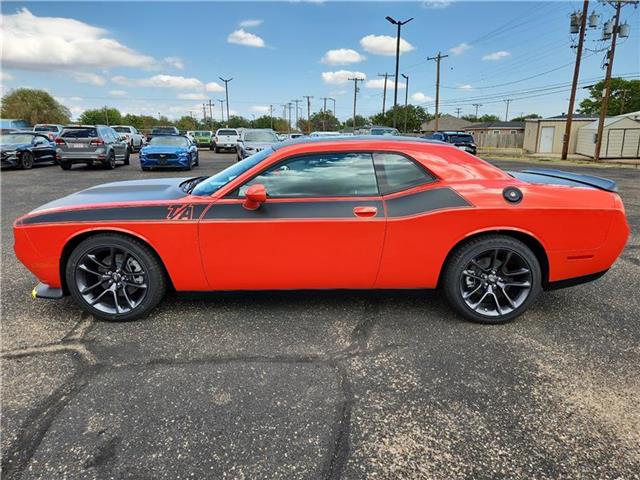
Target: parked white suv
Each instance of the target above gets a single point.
(134, 139)
(226, 138)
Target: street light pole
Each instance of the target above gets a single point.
(355, 96)
(406, 101)
(399, 24)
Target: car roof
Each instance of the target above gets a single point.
(359, 138)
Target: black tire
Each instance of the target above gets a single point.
(145, 169)
(189, 165)
(26, 161)
(504, 291)
(155, 278)
(110, 162)
(127, 154)
(65, 165)
(216, 149)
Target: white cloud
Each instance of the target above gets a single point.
(46, 43)
(175, 62)
(342, 56)
(341, 77)
(117, 93)
(421, 97)
(496, 55)
(250, 23)
(192, 96)
(242, 37)
(92, 78)
(379, 83)
(5, 76)
(384, 45)
(160, 81)
(262, 109)
(214, 87)
(436, 3)
(460, 49)
(337, 93)
(465, 87)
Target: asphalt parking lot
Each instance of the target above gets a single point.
(317, 385)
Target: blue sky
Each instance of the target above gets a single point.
(166, 57)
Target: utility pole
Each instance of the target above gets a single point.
(221, 110)
(308, 97)
(355, 96)
(399, 24)
(324, 113)
(271, 115)
(574, 85)
(384, 94)
(458, 110)
(106, 114)
(296, 101)
(210, 113)
(226, 89)
(506, 114)
(406, 101)
(477, 105)
(204, 113)
(437, 59)
(623, 98)
(290, 106)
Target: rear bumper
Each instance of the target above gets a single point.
(572, 282)
(82, 157)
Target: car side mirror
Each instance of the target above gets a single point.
(255, 196)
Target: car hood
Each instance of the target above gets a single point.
(156, 189)
(13, 146)
(163, 149)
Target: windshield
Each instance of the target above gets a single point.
(461, 138)
(169, 140)
(384, 131)
(227, 132)
(122, 129)
(45, 128)
(260, 136)
(219, 180)
(202, 134)
(15, 138)
(88, 132)
(164, 130)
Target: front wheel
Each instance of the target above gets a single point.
(65, 164)
(115, 278)
(127, 154)
(492, 279)
(26, 161)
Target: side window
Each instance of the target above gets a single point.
(397, 172)
(320, 175)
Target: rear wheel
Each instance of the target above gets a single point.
(492, 279)
(26, 161)
(114, 277)
(65, 164)
(127, 154)
(110, 163)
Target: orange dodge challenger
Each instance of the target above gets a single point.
(329, 213)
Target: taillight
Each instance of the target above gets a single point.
(96, 141)
(59, 141)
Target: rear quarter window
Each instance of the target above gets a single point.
(396, 172)
(80, 133)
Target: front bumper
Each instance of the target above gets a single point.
(42, 290)
(10, 161)
(169, 163)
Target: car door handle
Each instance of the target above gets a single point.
(365, 211)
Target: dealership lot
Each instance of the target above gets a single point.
(317, 385)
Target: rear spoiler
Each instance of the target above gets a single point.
(589, 180)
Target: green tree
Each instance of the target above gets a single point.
(624, 97)
(319, 121)
(101, 116)
(522, 118)
(482, 119)
(360, 121)
(236, 121)
(34, 106)
(187, 123)
(416, 116)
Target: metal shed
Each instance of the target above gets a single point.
(620, 138)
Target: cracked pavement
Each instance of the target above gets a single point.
(317, 384)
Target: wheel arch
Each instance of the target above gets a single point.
(525, 237)
(79, 237)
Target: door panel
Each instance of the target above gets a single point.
(546, 139)
(292, 244)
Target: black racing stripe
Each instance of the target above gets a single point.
(173, 212)
(275, 210)
(425, 201)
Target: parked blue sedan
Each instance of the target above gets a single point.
(169, 151)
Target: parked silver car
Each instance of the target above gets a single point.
(51, 130)
(254, 140)
(91, 145)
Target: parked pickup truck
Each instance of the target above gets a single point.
(226, 139)
(134, 139)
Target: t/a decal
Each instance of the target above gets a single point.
(180, 212)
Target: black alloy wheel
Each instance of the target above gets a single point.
(115, 277)
(492, 279)
(26, 161)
